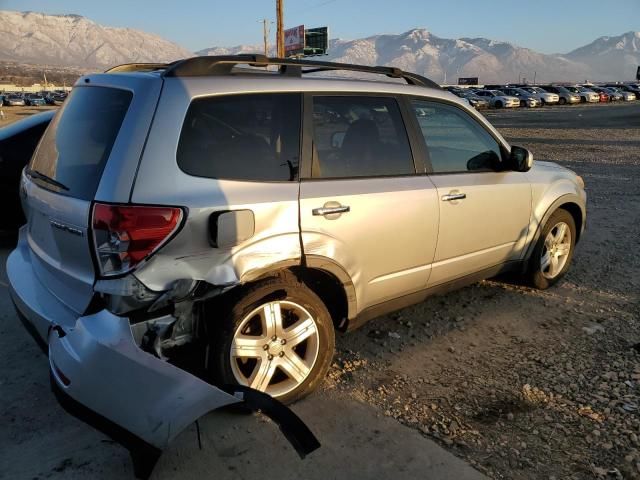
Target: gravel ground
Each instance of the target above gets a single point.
(521, 384)
(527, 384)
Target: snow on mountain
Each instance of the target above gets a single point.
(72, 40)
(444, 60)
(619, 54)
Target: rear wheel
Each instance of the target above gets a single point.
(277, 337)
(554, 250)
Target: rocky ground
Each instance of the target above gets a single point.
(528, 384)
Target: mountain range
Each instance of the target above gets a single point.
(72, 40)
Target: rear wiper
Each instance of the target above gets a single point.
(44, 178)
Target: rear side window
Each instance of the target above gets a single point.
(77, 144)
(242, 137)
(455, 141)
(359, 137)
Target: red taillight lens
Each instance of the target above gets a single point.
(124, 235)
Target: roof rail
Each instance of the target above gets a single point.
(137, 67)
(224, 64)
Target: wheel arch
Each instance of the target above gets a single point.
(324, 277)
(572, 204)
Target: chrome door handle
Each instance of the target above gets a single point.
(454, 196)
(330, 210)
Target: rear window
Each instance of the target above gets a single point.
(76, 146)
(242, 137)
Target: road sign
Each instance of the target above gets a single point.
(294, 41)
(316, 41)
(468, 81)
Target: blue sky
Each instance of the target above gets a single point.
(550, 27)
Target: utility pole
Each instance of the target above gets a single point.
(280, 29)
(265, 34)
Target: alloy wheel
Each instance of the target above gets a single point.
(556, 250)
(275, 347)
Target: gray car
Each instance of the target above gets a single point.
(565, 96)
(241, 218)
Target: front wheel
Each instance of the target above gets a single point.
(553, 251)
(276, 337)
(498, 104)
(562, 101)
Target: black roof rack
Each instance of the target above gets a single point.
(224, 64)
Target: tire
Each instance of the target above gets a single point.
(523, 104)
(498, 104)
(542, 102)
(539, 276)
(562, 101)
(583, 99)
(245, 318)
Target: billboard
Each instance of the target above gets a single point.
(316, 41)
(294, 41)
(468, 81)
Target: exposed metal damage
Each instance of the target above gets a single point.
(148, 351)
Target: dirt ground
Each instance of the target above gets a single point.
(12, 114)
(519, 383)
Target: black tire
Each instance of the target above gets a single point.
(498, 104)
(284, 286)
(583, 99)
(562, 101)
(535, 275)
(523, 104)
(542, 102)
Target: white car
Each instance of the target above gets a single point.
(546, 98)
(586, 95)
(498, 99)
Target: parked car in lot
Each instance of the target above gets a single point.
(527, 99)
(474, 100)
(545, 98)
(13, 100)
(238, 226)
(631, 88)
(614, 94)
(564, 95)
(18, 141)
(34, 100)
(497, 99)
(604, 95)
(622, 94)
(586, 95)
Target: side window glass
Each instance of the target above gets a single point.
(455, 141)
(359, 137)
(242, 137)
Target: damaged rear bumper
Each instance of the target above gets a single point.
(100, 375)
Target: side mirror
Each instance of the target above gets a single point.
(520, 159)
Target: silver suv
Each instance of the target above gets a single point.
(237, 217)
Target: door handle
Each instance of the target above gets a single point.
(330, 210)
(453, 196)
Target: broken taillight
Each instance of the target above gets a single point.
(124, 235)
